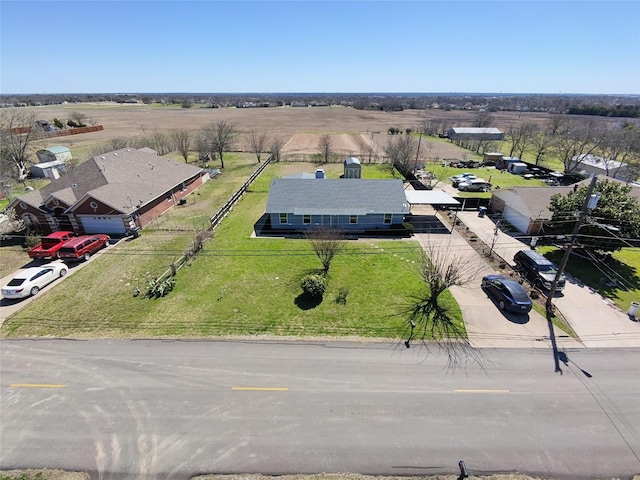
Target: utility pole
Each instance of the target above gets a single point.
(567, 253)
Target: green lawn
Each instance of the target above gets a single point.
(625, 264)
(238, 285)
(498, 178)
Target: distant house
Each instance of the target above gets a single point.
(604, 166)
(110, 193)
(468, 133)
(354, 205)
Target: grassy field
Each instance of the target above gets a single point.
(238, 285)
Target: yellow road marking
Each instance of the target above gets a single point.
(261, 389)
(480, 391)
(37, 385)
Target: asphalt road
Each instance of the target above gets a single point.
(171, 409)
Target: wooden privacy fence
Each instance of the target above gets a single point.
(214, 221)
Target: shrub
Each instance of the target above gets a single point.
(314, 285)
(341, 298)
(58, 123)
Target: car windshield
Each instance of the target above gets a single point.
(16, 282)
(547, 269)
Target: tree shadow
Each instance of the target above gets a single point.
(433, 326)
(307, 302)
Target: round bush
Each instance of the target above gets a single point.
(314, 285)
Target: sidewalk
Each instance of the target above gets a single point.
(596, 321)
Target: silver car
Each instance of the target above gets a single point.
(30, 281)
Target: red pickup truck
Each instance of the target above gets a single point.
(50, 245)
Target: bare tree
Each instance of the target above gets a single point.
(325, 146)
(483, 120)
(276, 148)
(440, 268)
(12, 223)
(541, 142)
(182, 143)
(575, 140)
(203, 148)
(16, 136)
(78, 118)
(520, 137)
(221, 137)
(326, 242)
(257, 141)
(401, 151)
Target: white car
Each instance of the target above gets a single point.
(30, 280)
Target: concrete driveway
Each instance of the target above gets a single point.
(487, 326)
(597, 321)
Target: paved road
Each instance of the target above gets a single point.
(170, 409)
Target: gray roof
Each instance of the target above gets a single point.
(473, 130)
(115, 177)
(347, 196)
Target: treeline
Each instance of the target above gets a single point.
(600, 105)
(626, 111)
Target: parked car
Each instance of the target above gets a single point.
(474, 185)
(509, 294)
(82, 247)
(539, 270)
(463, 177)
(30, 281)
(50, 245)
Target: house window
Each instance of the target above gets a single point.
(387, 218)
(353, 219)
(306, 219)
(284, 218)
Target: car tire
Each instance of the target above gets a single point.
(63, 272)
(87, 256)
(56, 256)
(502, 305)
(538, 284)
(34, 291)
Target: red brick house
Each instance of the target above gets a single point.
(110, 193)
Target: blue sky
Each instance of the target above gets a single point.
(329, 46)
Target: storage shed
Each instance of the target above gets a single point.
(51, 154)
(517, 168)
(352, 168)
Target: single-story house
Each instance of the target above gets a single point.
(527, 208)
(474, 133)
(52, 154)
(355, 205)
(110, 193)
(604, 166)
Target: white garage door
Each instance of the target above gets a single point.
(516, 219)
(108, 225)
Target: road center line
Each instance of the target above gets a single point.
(37, 385)
(261, 389)
(480, 391)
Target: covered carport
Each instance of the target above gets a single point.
(424, 221)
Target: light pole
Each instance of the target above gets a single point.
(585, 206)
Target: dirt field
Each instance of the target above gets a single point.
(353, 132)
